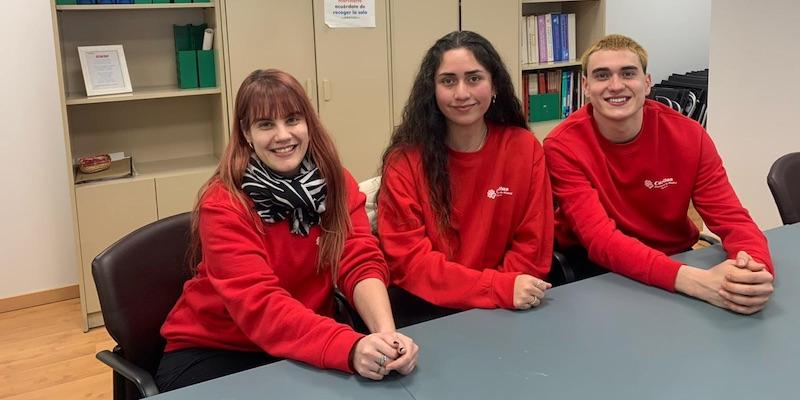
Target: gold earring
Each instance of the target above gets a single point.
(249, 143)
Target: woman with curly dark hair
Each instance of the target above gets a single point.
(465, 213)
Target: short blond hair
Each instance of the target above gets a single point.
(615, 42)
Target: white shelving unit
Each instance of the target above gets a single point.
(174, 135)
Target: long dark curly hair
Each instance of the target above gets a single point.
(424, 127)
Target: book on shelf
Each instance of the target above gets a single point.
(542, 82)
(548, 31)
(573, 54)
(523, 40)
(541, 27)
(564, 45)
(562, 87)
(556, 23)
(548, 38)
(533, 39)
(121, 167)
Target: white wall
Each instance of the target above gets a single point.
(674, 32)
(754, 94)
(37, 245)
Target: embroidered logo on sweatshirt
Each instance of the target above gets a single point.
(500, 191)
(659, 184)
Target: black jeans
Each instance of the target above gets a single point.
(189, 366)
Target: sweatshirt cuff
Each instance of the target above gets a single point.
(664, 273)
(337, 352)
(503, 289)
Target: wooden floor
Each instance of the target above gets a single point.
(44, 354)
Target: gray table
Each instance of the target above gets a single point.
(606, 337)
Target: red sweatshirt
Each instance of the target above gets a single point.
(502, 216)
(258, 289)
(627, 203)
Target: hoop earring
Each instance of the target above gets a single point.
(251, 145)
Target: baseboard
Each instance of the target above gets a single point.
(39, 298)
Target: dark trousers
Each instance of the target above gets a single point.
(189, 366)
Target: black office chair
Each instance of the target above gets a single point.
(139, 278)
(784, 183)
(561, 272)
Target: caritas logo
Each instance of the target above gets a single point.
(660, 184)
(500, 191)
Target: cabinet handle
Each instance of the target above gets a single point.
(308, 85)
(326, 90)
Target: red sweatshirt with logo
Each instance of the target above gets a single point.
(627, 203)
(258, 288)
(501, 215)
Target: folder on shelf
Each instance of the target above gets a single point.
(187, 68)
(544, 107)
(206, 71)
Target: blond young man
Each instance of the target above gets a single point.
(624, 169)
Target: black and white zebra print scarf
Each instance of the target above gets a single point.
(276, 197)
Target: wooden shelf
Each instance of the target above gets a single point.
(165, 168)
(178, 166)
(550, 65)
(156, 92)
(97, 7)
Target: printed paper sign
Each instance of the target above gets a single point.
(350, 13)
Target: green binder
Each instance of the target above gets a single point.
(544, 107)
(206, 72)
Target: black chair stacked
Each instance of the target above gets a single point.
(139, 279)
(685, 93)
(784, 183)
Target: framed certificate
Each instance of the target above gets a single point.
(104, 70)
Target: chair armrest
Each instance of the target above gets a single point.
(708, 239)
(561, 271)
(141, 378)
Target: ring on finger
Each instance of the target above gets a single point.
(382, 361)
(535, 301)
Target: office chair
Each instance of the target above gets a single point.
(139, 278)
(784, 183)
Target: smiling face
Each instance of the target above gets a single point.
(463, 89)
(617, 86)
(280, 143)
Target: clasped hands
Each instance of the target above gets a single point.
(742, 285)
(378, 354)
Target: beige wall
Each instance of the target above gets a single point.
(753, 94)
(37, 246)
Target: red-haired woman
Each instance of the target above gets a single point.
(277, 227)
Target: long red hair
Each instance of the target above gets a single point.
(272, 94)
